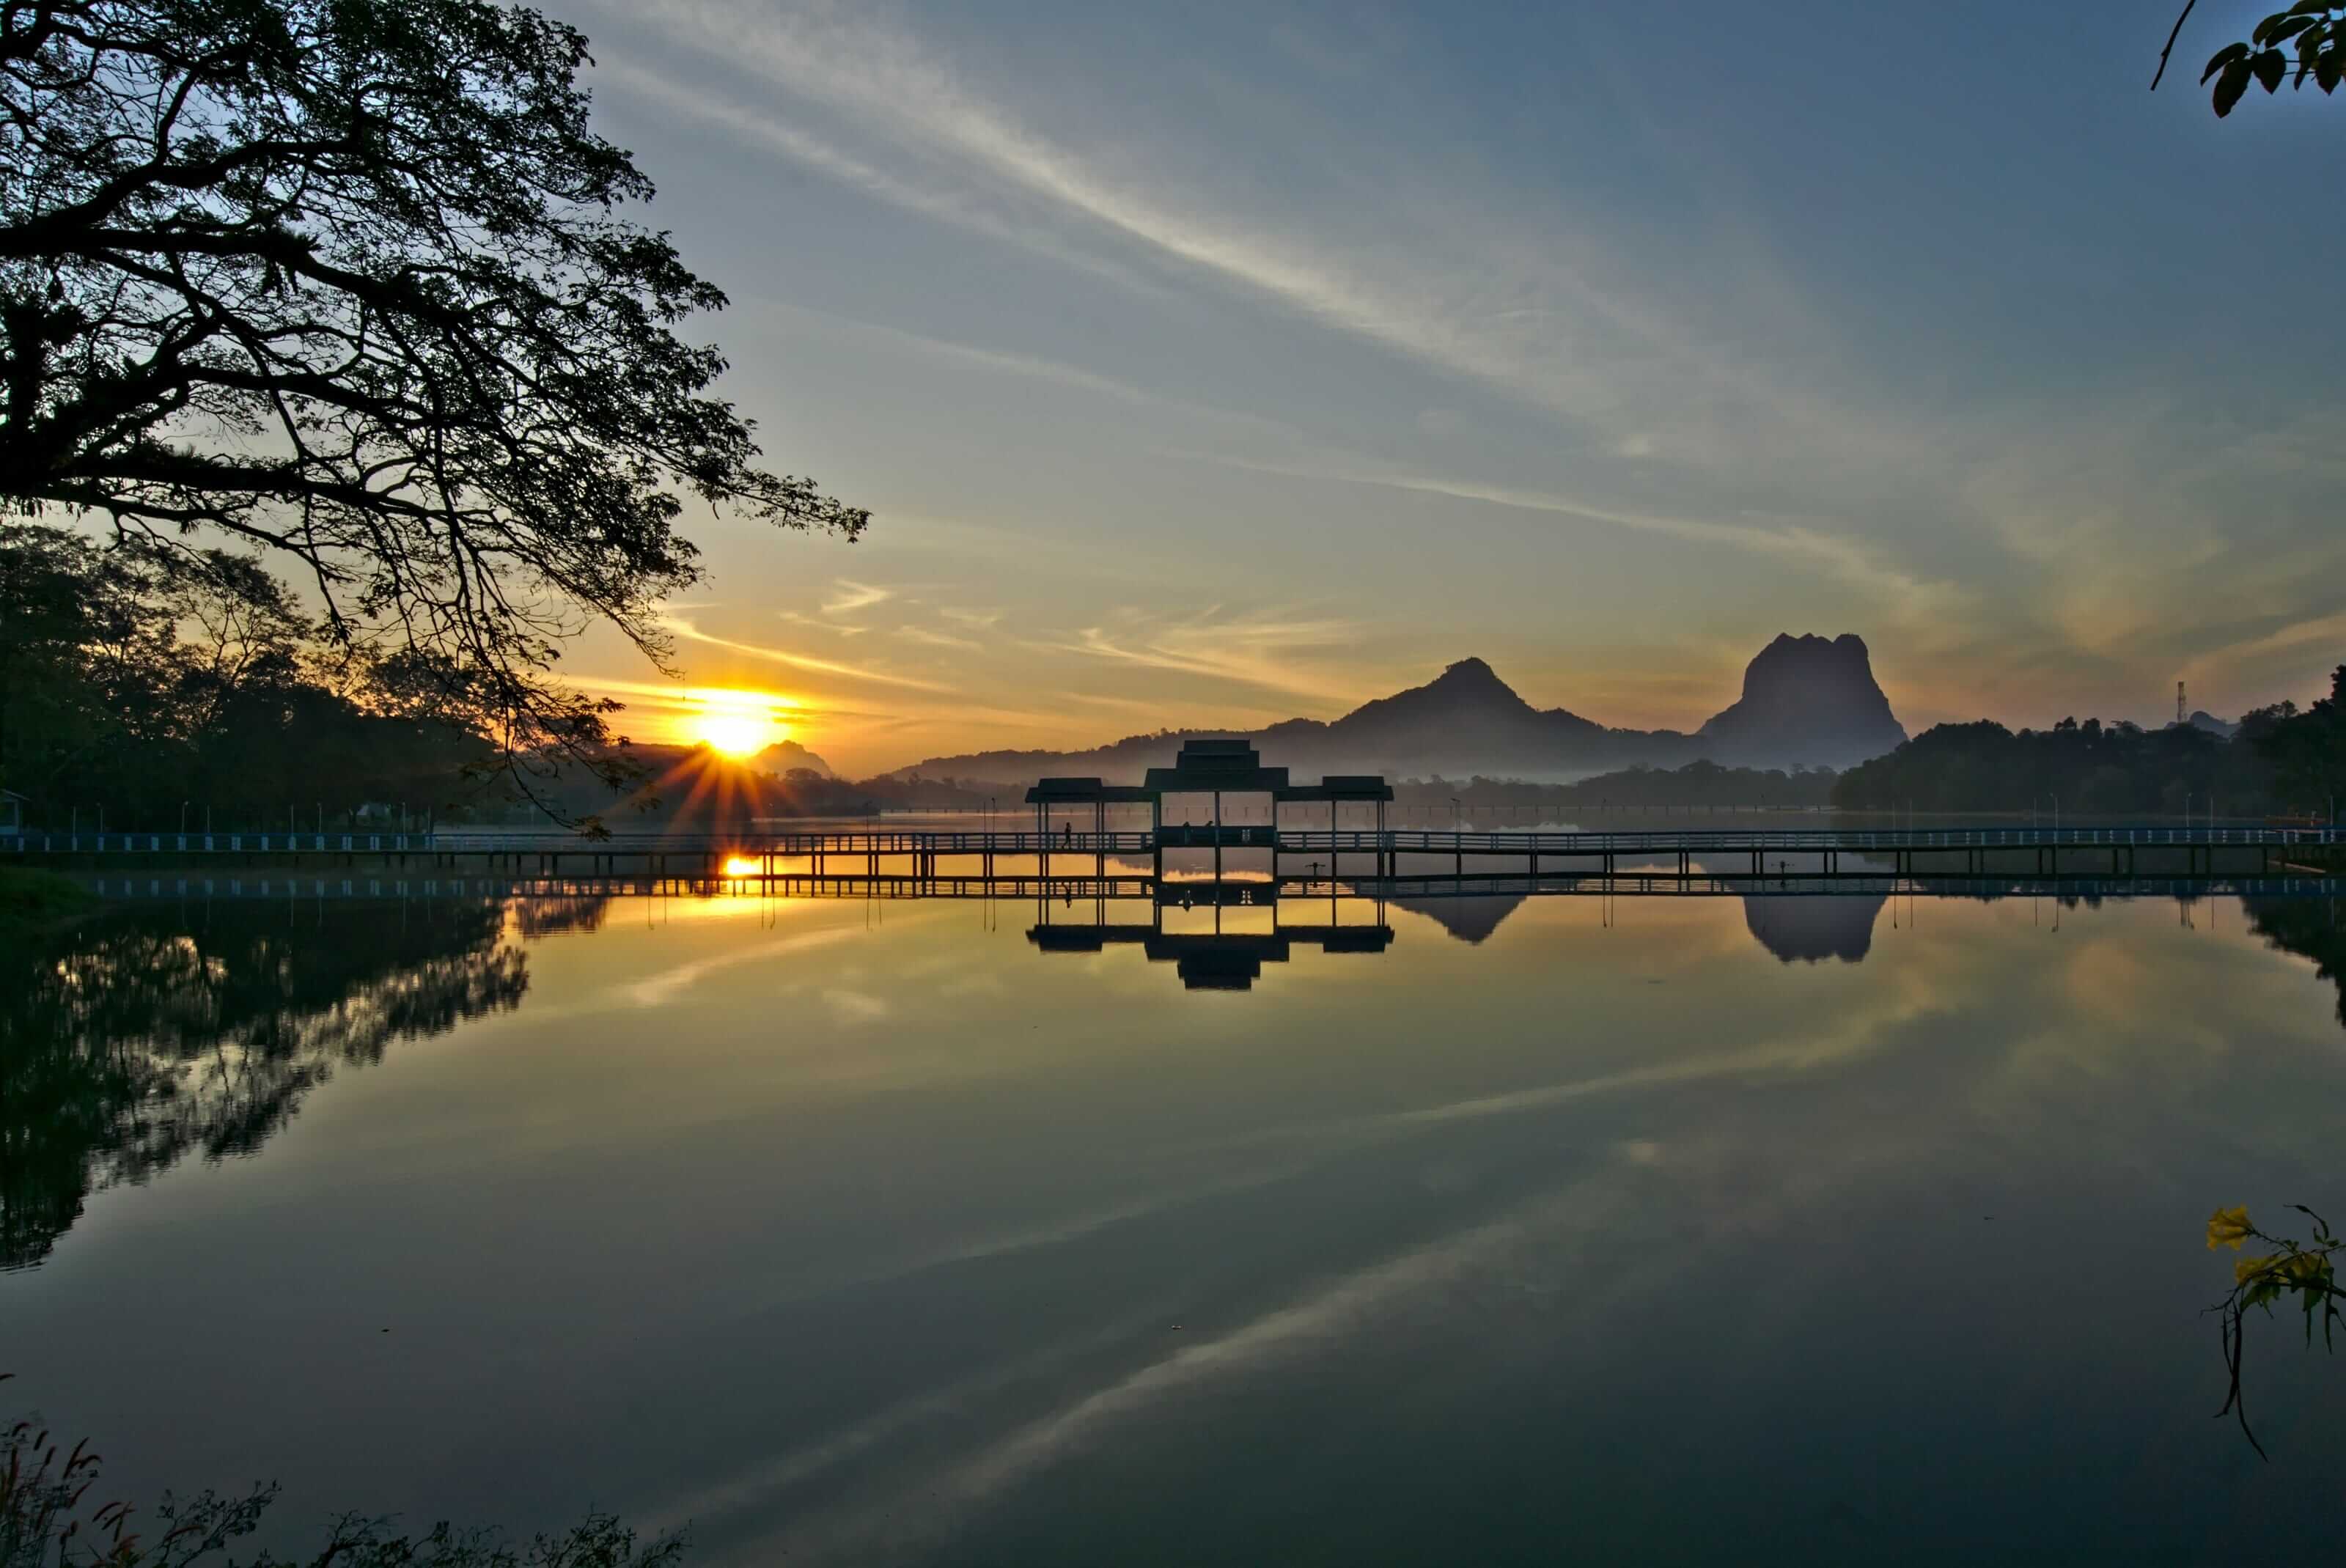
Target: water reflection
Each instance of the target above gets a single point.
(154, 1034)
(863, 1231)
(1813, 928)
(2310, 928)
(1471, 918)
(131, 1042)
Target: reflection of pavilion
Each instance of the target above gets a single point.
(1218, 935)
(1220, 772)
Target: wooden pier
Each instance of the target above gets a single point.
(1071, 835)
(1255, 851)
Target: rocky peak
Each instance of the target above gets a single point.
(1807, 699)
(1469, 675)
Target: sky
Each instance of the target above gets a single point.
(1214, 364)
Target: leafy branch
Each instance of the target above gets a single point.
(2312, 31)
(2308, 1271)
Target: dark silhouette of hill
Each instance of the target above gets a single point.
(2202, 720)
(1792, 927)
(1811, 930)
(1470, 919)
(1807, 700)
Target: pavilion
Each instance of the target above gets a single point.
(1219, 769)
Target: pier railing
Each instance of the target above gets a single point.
(932, 842)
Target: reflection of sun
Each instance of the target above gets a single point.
(737, 723)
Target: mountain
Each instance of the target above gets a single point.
(1808, 700)
(2202, 720)
(785, 755)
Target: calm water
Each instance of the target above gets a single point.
(1667, 1228)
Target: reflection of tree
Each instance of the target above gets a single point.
(554, 916)
(128, 1044)
(2311, 928)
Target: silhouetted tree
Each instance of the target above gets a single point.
(2093, 769)
(349, 278)
(2307, 752)
(141, 679)
(2308, 40)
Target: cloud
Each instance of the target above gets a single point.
(924, 635)
(1920, 602)
(1261, 651)
(1442, 283)
(686, 630)
(848, 597)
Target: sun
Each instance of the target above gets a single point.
(737, 723)
(734, 734)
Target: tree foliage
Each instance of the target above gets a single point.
(2306, 42)
(351, 280)
(137, 679)
(2280, 760)
(49, 1518)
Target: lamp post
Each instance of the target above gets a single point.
(183, 816)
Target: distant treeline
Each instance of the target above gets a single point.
(1696, 784)
(135, 681)
(2280, 762)
(143, 688)
(698, 787)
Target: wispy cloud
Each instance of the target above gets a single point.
(1266, 651)
(1918, 601)
(689, 632)
(936, 639)
(1563, 340)
(847, 597)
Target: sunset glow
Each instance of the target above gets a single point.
(739, 866)
(737, 723)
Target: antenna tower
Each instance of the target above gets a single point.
(2179, 702)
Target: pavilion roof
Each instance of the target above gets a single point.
(1340, 786)
(1086, 792)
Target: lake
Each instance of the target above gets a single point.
(1768, 1228)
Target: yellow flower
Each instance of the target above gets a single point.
(2227, 1227)
(2307, 1266)
(2248, 1269)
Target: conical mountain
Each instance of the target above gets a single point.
(1466, 720)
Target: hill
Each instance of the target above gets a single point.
(1809, 701)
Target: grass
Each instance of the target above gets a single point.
(33, 901)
